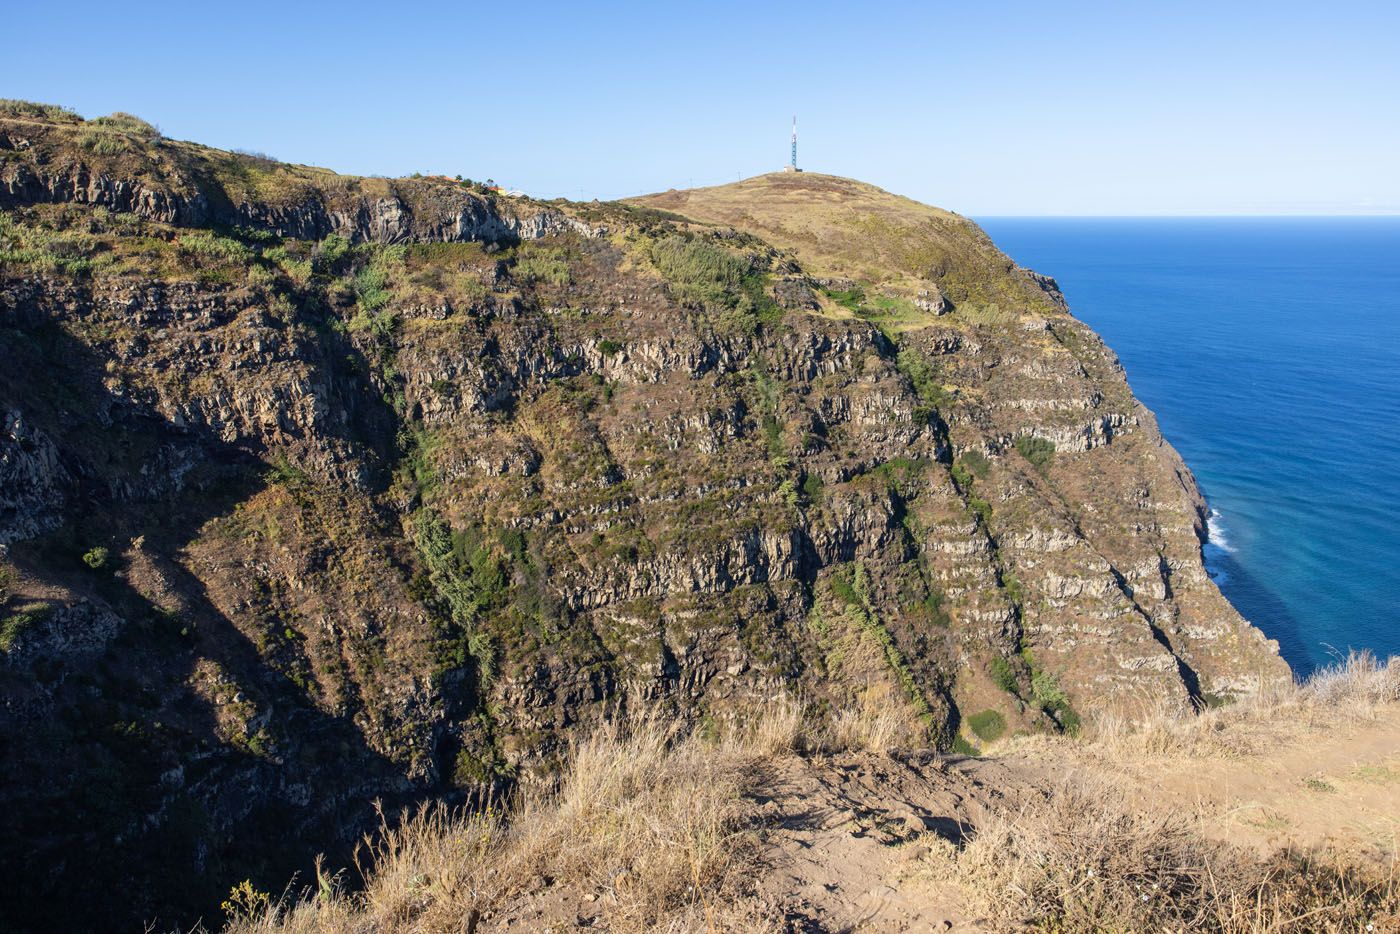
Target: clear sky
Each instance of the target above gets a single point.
(1121, 107)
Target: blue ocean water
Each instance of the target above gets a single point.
(1270, 351)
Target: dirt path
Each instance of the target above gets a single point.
(841, 828)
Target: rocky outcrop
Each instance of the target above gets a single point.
(32, 480)
(182, 186)
(932, 300)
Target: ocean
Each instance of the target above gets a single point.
(1269, 348)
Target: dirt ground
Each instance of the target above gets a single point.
(842, 828)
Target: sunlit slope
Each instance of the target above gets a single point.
(845, 229)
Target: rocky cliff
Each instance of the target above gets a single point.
(317, 490)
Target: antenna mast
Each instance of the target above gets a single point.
(792, 166)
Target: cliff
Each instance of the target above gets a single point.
(320, 489)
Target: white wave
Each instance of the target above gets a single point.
(1217, 546)
(1216, 534)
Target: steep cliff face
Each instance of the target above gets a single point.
(381, 489)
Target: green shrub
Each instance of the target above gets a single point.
(36, 111)
(369, 288)
(701, 273)
(542, 265)
(773, 441)
(1014, 592)
(976, 463)
(96, 558)
(787, 492)
(128, 124)
(104, 142)
(812, 487)
(330, 254)
(1052, 699)
(210, 246)
(936, 609)
(981, 508)
(923, 374)
(963, 747)
(608, 348)
(1039, 451)
(989, 725)
(384, 326)
(16, 623)
(1047, 691)
(1004, 676)
(852, 299)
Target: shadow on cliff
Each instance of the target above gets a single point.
(121, 802)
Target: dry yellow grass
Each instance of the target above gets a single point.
(649, 828)
(839, 227)
(1105, 849)
(1087, 859)
(1352, 688)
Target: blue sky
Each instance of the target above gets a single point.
(985, 108)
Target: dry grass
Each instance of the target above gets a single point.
(1086, 859)
(879, 720)
(649, 828)
(842, 227)
(1354, 688)
(646, 829)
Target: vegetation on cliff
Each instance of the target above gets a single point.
(399, 487)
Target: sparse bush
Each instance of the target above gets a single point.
(245, 902)
(976, 464)
(989, 725)
(36, 111)
(103, 142)
(877, 721)
(96, 558)
(534, 264)
(1352, 688)
(1004, 676)
(1039, 451)
(129, 124)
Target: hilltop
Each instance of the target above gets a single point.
(839, 228)
(317, 490)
